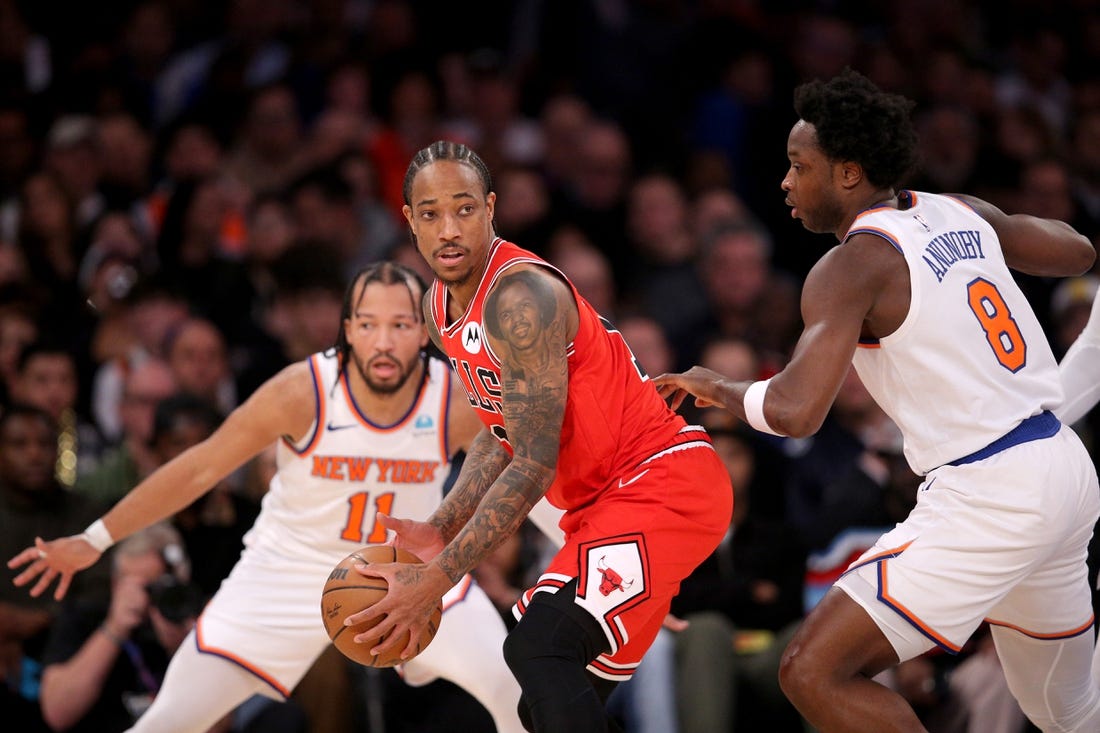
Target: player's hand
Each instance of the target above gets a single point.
(702, 383)
(420, 538)
(60, 559)
(414, 592)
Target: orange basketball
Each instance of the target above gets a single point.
(347, 592)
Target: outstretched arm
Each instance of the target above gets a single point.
(285, 405)
(835, 309)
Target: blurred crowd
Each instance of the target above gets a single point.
(186, 187)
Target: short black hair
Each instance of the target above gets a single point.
(857, 121)
(21, 409)
(543, 294)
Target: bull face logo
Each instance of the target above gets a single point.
(611, 579)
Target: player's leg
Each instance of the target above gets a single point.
(1051, 679)
(471, 628)
(827, 668)
(198, 691)
(548, 652)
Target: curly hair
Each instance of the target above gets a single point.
(857, 121)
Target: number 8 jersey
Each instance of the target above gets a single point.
(970, 361)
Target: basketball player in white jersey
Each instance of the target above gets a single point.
(369, 426)
(918, 295)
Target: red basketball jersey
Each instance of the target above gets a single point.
(614, 417)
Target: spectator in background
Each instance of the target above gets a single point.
(267, 153)
(196, 259)
(304, 315)
(748, 298)
(32, 504)
(196, 353)
(648, 342)
(324, 211)
(564, 119)
(125, 154)
(595, 197)
(18, 330)
(106, 656)
(663, 266)
(151, 311)
(526, 214)
(570, 250)
(71, 154)
(132, 458)
(47, 379)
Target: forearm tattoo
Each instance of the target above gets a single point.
(484, 462)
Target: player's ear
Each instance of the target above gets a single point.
(851, 174)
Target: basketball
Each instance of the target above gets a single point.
(347, 592)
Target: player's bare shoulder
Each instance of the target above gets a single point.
(287, 401)
(529, 305)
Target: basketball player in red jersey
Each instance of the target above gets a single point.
(568, 414)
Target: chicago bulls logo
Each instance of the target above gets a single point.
(611, 580)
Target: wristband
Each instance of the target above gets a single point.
(754, 407)
(97, 536)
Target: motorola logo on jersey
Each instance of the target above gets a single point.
(471, 338)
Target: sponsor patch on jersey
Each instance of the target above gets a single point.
(471, 338)
(423, 421)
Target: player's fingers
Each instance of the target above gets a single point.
(383, 629)
(24, 557)
(366, 615)
(62, 586)
(391, 640)
(29, 574)
(677, 399)
(43, 582)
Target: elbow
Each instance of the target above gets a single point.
(795, 423)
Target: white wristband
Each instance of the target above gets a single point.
(754, 407)
(97, 536)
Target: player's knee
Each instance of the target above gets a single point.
(548, 632)
(797, 675)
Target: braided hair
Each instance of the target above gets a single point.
(445, 150)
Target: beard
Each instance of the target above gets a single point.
(394, 383)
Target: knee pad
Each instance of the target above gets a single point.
(555, 626)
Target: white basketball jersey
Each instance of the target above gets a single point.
(327, 492)
(970, 361)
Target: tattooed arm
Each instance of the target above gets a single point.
(529, 318)
(484, 462)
